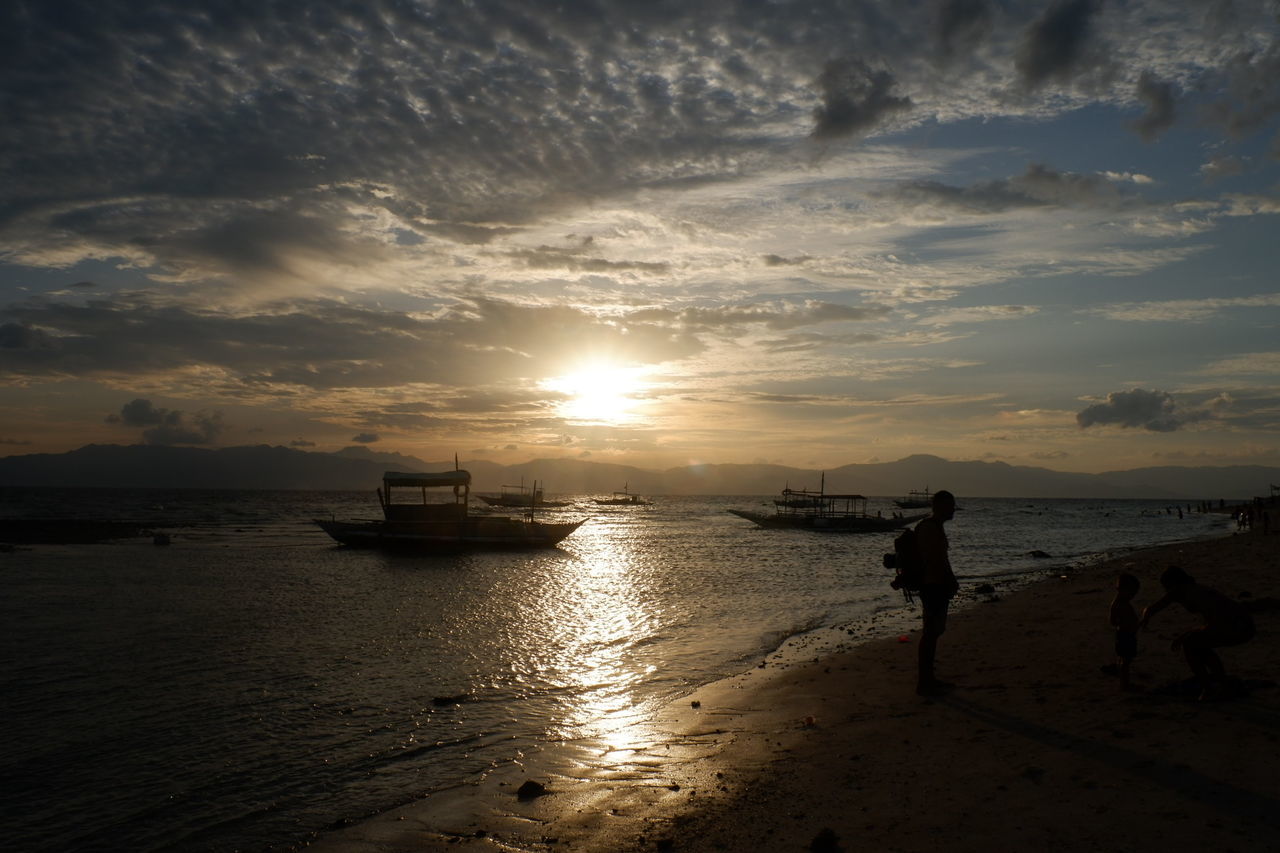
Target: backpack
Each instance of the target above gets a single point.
(907, 563)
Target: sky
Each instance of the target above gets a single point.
(650, 233)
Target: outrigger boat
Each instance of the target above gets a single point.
(798, 498)
(916, 499)
(521, 497)
(804, 509)
(623, 498)
(440, 525)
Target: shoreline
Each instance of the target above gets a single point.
(834, 751)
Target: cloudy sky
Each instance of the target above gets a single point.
(657, 233)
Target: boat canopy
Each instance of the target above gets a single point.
(426, 481)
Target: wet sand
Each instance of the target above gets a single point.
(1035, 747)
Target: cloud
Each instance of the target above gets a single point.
(978, 314)
(1039, 186)
(464, 127)
(775, 316)
(263, 244)
(458, 125)
(1161, 112)
(547, 257)
(385, 418)
(1050, 185)
(1262, 364)
(169, 426)
(20, 336)
(855, 99)
(813, 341)
(1053, 47)
(1222, 166)
(1183, 310)
(301, 442)
(1251, 98)
(140, 413)
(1237, 204)
(961, 25)
(322, 344)
(374, 207)
(365, 438)
(772, 260)
(1128, 177)
(1154, 411)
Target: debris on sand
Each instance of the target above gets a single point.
(530, 790)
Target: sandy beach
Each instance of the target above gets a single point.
(1036, 746)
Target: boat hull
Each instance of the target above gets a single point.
(469, 534)
(826, 524)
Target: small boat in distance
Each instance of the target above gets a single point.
(916, 499)
(797, 499)
(442, 524)
(803, 509)
(623, 498)
(801, 498)
(521, 497)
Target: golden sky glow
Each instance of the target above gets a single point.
(809, 234)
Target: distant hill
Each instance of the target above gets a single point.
(145, 466)
(359, 468)
(390, 461)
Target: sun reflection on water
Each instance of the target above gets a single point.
(598, 614)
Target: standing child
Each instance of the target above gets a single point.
(1125, 620)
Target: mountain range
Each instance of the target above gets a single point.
(359, 468)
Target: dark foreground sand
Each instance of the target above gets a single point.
(1035, 749)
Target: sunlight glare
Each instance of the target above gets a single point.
(599, 393)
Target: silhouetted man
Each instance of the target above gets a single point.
(937, 588)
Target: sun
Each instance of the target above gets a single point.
(599, 393)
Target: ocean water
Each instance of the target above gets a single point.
(252, 684)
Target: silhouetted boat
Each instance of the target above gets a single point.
(803, 509)
(797, 499)
(916, 499)
(442, 525)
(801, 498)
(623, 498)
(520, 496)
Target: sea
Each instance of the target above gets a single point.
(252, 684)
